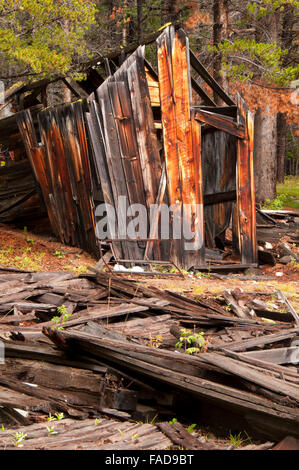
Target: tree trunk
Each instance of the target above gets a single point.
(169, 11)
(139, 21)
(265, 159)
(125, 26)
(220, 32)
(282, 130)
(286, 41)
(265, 165)
(112, 29)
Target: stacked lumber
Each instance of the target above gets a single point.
(65, 334)
(90, 434)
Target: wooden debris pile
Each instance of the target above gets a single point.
(98, 344)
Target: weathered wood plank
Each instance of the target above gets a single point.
(245, 189)
(223, 123)
(202, 71)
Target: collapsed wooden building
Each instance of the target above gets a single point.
(153, 138)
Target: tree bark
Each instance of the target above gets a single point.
(220, 33)
(282, 130)
(169, 11)
(286, 42)
(265, 149)
(139, 20)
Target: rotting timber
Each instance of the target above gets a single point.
(139, 135)
(247, 369)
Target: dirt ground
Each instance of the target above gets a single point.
(25, 250)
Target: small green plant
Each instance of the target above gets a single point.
(149, 421)
(3, 428)
(97, 421)
(155, 341)
(64, 316)
(294, 264)
(56, 417)
(152, 421)
(191, 428)
(191, 343)
(81, 269)
(51, 417)
(59, 254)
(62, 310)
(18, 438)
(30, 240)
(51, 431)
(174, 420)
(237, 440)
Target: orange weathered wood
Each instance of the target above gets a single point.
(169, 125)
(36, 157)
(182, 164)
(153, 87)
(245, 189)
(223, 123)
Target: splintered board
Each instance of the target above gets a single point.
(183, 160)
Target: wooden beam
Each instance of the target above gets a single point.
(245, 188)
(224, 123)
(202, 71)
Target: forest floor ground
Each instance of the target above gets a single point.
(28, 251)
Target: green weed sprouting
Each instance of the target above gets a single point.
(191, 343)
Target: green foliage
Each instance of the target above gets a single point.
(62, 310)
(56, 417)
(43, 37)
(155, 341)
(148, 420)
(294, 264)
(237, 440)
(192, 343)
(269, 6)
(174, 420)
(51, 430)
(18, 438)
(275, 204)
(59, 320)
(243, 59)
(191, 428)
(290, 189)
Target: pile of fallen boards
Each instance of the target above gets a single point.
(271, 228)
(96, 346)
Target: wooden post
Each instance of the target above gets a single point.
(245, 188)
(181, 147)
